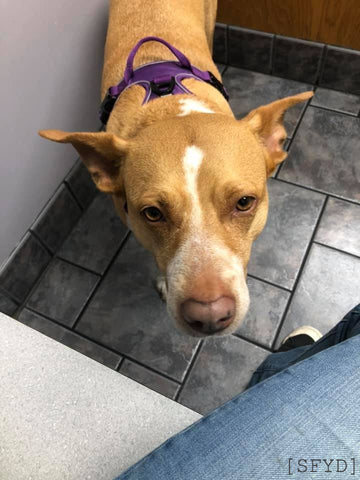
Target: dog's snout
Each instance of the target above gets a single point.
(208, 317)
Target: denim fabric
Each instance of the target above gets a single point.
(301, 423)
(274, 363)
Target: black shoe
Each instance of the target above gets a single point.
(299, 338)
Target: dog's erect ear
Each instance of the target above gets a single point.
(267, 124)
(102, 153)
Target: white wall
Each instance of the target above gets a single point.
(51, 56)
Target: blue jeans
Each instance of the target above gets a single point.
(302, 423)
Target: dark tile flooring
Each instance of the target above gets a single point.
(97, 295)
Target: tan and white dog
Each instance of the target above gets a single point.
(193, 177)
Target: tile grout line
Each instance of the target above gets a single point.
(99, 344)
(87, 301)
(337, 249)
(321, 192)
(319, 73)
(288, 290)
(313, 85)
(224, 71)
(299, 274)
(22, 304)
(101, 277)
(339, 112)
(146, 367)
(65, 327)
(10, 295)
(189, 370)
(73, 196)
(295, 133)
(120, 364)
(42, 243)
(70, 262)
(56, 256)
(328, 109)
(251, 341)
(83, 211)
(44, 210)
(38, 237)
(272, 54)
(261, 72)
(176, 393)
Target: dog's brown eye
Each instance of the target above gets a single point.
(245, 203)
(152, 214)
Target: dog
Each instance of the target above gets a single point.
(185, 176)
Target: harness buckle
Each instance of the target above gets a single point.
(106, 107)
(163, 88)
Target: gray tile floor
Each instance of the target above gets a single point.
(97, 296)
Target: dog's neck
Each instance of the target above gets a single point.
(129, 115)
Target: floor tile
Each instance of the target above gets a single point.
(220, 43)
(97, 236)
(7, 305)
(267, 305)
(340, 226)
(329, 287)
(339, 101)
(24, 267)
(81, 184)
(149, 378)
(325, 152)
(69, 338)
(57, 219)
(287, 144)
(63, 292)
(249, 49)
(222, 370)
(296, 59)
(127, 314)
(340, 70)
(279, 250)
(249, 90)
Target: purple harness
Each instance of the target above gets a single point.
(158, 78)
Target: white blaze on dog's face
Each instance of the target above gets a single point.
(195, 189)
(203, 269)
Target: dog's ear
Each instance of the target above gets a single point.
(102, 153)
(267, 124)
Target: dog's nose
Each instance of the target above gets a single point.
(208, 317)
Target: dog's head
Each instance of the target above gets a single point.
(192, 188)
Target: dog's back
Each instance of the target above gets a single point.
(188, 24)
